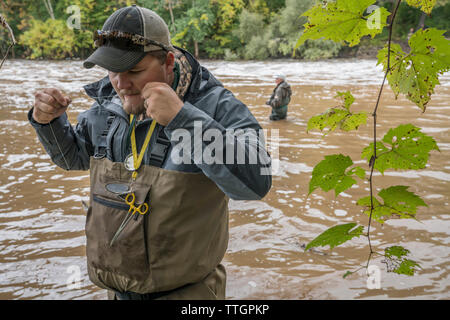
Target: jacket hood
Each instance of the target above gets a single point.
(284, 84)
(101, 90)
(202, 80)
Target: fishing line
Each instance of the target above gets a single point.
(54, 136)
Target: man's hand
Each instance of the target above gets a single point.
(49, 104)
(162, 103)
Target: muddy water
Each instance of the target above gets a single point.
(42, 241)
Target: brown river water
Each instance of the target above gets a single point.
(42, 240)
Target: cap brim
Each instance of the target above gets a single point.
(113, 59)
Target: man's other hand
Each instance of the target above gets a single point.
(161, 101)
(49, 104)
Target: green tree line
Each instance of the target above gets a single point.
(215, 29)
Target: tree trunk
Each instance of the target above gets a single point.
(171, 15)
(48, 6)
(421, 23)
(196, 49)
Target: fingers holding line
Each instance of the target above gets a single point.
(49, 104)
(151, 87)
(43, 117)
(52, 97)
(58, 96)
(46, 108)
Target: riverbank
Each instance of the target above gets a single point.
(368, 49)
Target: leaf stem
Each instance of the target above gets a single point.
(367, 265)
(374, 114)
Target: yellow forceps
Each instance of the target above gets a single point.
(141, 209)
(129, 200)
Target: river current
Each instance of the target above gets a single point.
(42, 239)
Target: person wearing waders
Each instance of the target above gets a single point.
(157, 222)
(280, 98)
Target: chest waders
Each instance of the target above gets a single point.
(279, 113)
(175, 248)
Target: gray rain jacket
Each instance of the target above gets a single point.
(207, 105)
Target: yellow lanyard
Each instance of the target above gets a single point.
(137, 160)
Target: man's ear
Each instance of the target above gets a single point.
(170, 62)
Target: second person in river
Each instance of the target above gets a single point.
(280, 98)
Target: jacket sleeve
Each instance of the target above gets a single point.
(243, 169)
(69, 147)
(277, 100)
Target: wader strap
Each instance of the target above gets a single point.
(160, 149)
(100, 148)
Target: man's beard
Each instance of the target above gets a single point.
(133, 106)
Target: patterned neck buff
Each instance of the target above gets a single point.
(185, 74)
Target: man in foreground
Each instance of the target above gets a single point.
(167, 146)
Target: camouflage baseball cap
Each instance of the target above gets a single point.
(126, 38)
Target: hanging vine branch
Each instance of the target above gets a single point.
(374, 115)
(4, 24)
(414, 74)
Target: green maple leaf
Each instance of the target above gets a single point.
(417, 73)
(347, 97)
(379, 210)
(424, 5)
(365, 201)
(398, 201)
(407, 267)
(397, 262)
(409, 149)
(396, 251)
(353, 121)
(336, 235)
(358, 171)
(338, 116)
(343, 20)
(401, 201)
(329, 119)
(332, 173)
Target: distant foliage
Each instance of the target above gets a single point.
(196, 25)
(256, 29)
(251, 24)
(50, 38)
(319, 49)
